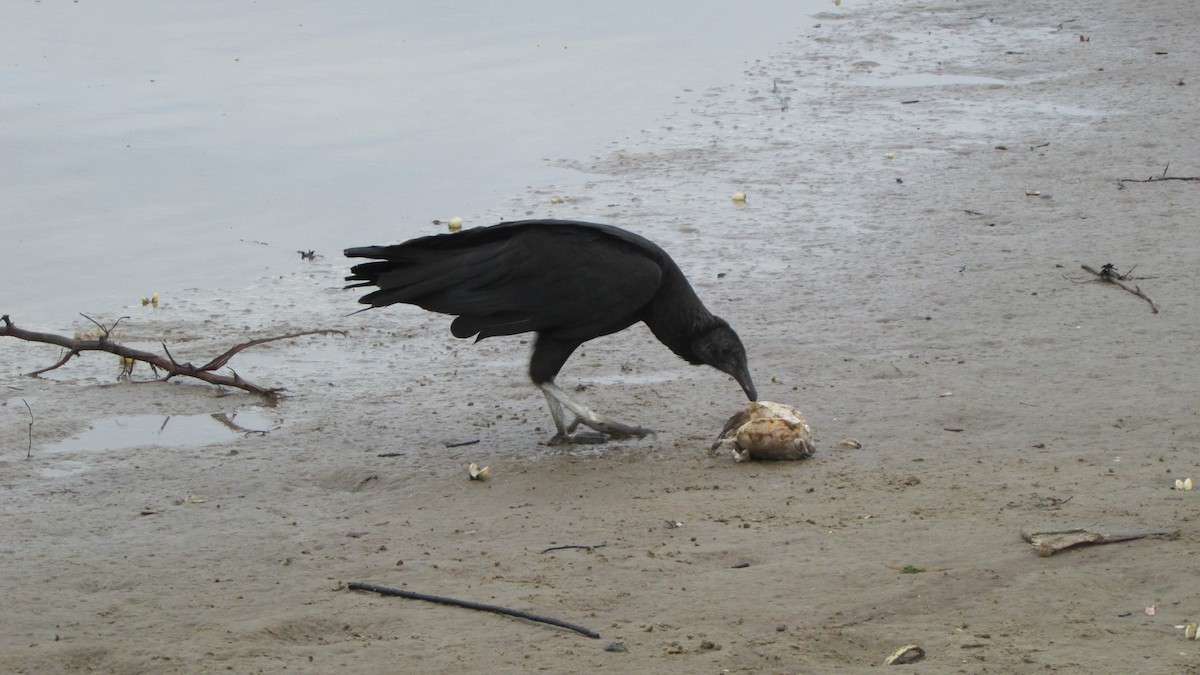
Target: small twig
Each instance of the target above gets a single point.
(169, 356)
(384, 590)
(29, 451)
(783, 100)
(1053, 501)
(66, 357)
(1156, 179)
(581, 546)
(1109, 274)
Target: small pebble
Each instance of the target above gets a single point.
(616, 647)
(780, 628)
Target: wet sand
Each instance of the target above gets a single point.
(923, 186)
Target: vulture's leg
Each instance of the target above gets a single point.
(607, 427)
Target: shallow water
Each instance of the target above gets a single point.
(158, 148)
(133, 431)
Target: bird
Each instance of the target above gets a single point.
(566, 281)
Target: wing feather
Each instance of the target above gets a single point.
(575, 281)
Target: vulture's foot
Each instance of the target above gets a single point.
(578, 438)
(602, 427)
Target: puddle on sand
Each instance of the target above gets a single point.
(171, 431)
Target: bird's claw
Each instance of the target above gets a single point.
(597, 433)
(578, 438)
(602, 427)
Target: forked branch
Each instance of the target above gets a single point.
(167, 365)
(1108, 273)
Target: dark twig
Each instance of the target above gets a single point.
(384, 590)
(168, 365)
(29, 451)
(66, 357)
(854, 623)
(580, 546)
(1051, 502)
(1156, 179)
(1108, 273)
(105, 331)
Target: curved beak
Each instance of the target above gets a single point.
(747, 386)
(741, 373)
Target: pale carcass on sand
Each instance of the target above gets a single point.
(765, 430)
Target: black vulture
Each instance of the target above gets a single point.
(567, 281)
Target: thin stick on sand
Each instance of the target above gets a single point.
(384, 590)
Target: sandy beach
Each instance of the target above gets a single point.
(924, 183)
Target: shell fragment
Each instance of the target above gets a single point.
(906, 654)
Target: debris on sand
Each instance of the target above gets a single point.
(1049, 542)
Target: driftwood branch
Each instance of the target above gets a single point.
(168, 365)
(384, 590)
(1109, 274)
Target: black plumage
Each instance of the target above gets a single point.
(567, 281)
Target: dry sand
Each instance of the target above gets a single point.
(924, 304)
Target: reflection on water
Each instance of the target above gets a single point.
(151, 147)
(169, 431)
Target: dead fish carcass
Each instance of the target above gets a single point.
(765, 430)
